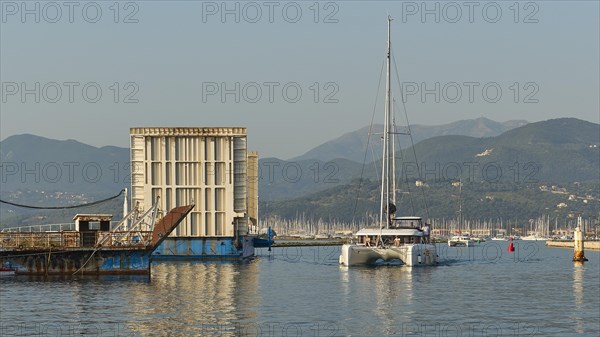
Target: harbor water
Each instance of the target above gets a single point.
(302, 291)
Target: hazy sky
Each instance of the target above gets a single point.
(296, 74)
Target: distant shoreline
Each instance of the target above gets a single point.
(309, 242)
(591, 245)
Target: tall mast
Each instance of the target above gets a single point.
(393, 158)
(385, 165)
(388, 113)
(460, 220)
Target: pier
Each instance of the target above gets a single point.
(590, 245)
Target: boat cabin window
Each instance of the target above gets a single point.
(407, 223)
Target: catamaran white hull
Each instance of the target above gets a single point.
(410, 255)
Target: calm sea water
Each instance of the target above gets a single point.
(480, 291)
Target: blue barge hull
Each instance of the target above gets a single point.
(69, 252)
(44, 262)
(204, 248)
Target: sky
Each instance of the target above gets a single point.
(296, 74)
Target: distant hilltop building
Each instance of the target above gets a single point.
(487, 152)
(208, 167)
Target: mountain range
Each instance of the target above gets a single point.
(544, 168)
(559, 151)
(348, 145)
(38, 163)
(555, 151)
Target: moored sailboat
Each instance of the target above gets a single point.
(462, 239)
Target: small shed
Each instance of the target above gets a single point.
(90, 225)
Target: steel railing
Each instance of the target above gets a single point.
(72, 239)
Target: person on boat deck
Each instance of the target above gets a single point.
(426, 231)
(367, 241)
(397, 241)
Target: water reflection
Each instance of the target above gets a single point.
(386, 291)
(578, 272)
(299, 292)
(64, 305)
(394, 286)
(186, 299)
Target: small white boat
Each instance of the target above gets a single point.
(6, 271)
(534, 238)
(499, 238)
(461, 241)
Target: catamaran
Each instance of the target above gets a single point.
(403, 238)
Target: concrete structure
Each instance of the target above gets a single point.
(253, 189)
(207, 167)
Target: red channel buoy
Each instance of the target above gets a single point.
(511, 247)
